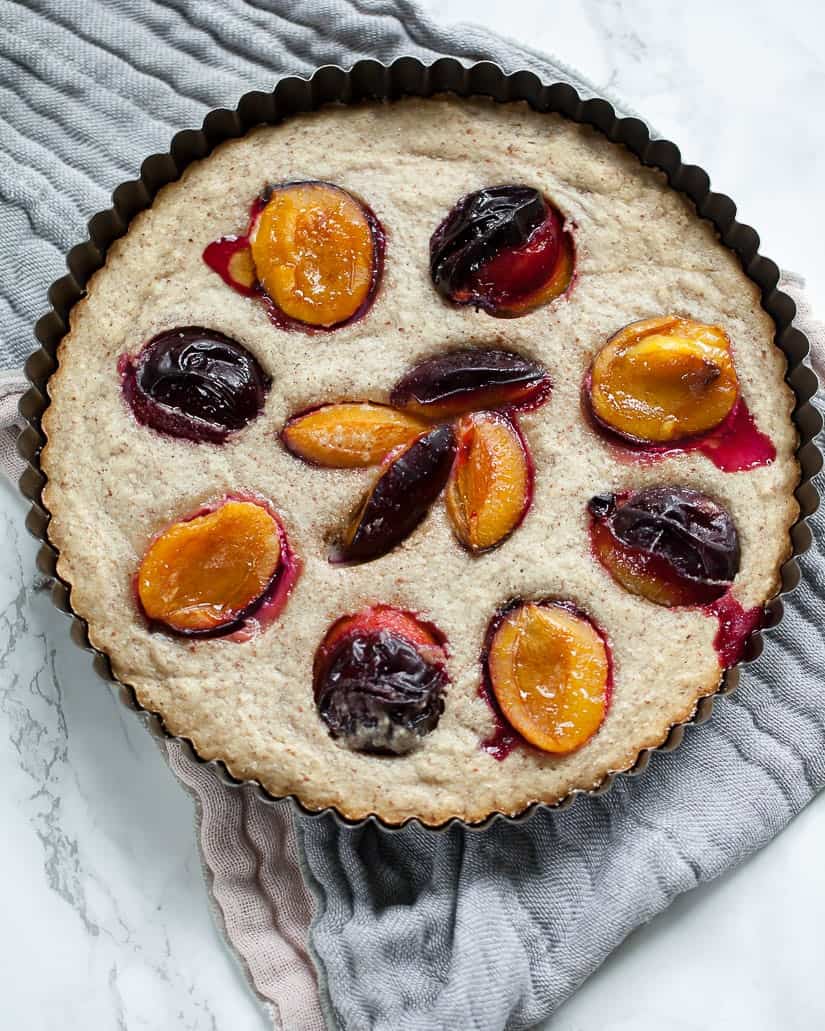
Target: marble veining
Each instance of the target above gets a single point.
(104, 889)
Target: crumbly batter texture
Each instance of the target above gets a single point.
(113, 484)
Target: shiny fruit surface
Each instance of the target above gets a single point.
(671, 545)
(349, 434)
(469, 380)
(664, 380)
(399, 500)
(549, 670)
(491, 484)
(379, 679)
(503, 249)
(316, 253)
(205, 574)
(194, 383)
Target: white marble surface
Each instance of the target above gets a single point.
(104, 911)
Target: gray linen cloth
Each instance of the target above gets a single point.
(411, 930)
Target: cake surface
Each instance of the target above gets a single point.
(114, 484)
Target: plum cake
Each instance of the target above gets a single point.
(425, 459)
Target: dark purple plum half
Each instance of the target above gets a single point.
(478, 228)
(673, 545)
(194, 383)
(503, 249)
(377, 693)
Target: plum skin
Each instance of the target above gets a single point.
(194, 383)
(401, 498)
(503, 249)
(472, 379)
(376, 689)
(676, 541)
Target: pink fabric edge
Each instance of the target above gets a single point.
(260, 901)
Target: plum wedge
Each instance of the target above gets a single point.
(475, 393)
(400, 499)
(549, 669)
(491, 483)
(350, 434)
(470, 380)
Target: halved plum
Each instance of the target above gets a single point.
(671, 545)
(378, 678)
(350, 434)
(469, 380)
(317, 252)
(194, 383)
(549, 669)
(663, 380)
(207, 574)
(409, 483)
(504, 249)
(491, 483)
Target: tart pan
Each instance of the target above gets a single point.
(371, 80)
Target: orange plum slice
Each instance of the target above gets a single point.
(349, 435)
(206, 573)
(549, 670)
(241, 268)
(664, 379)
(315, 253)
(490, 487)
